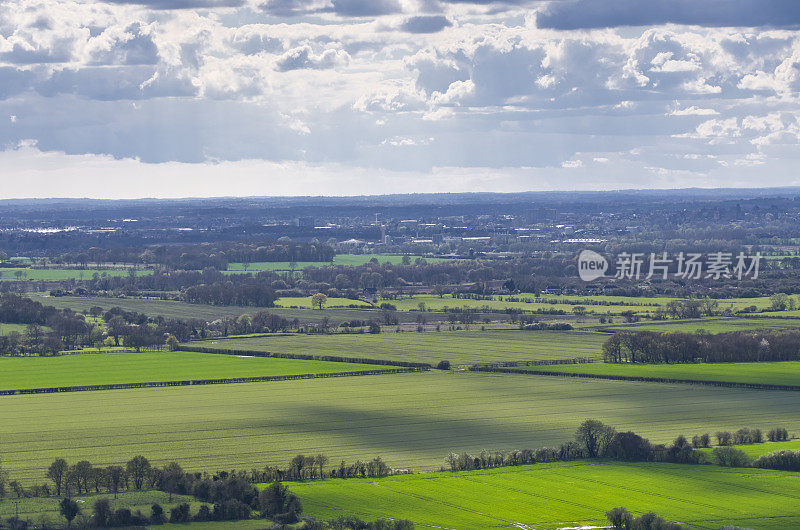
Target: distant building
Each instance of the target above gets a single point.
(303, 221)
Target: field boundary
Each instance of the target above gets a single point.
(728, 384)
(191, 382)
(302, 357)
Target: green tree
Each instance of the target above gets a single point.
(594, 436)
(69, 510)
(102, 512)
(138, 468)
(57, 473)
(116, 476)
(319, 300)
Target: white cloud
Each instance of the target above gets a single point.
(344, 84)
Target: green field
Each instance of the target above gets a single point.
(565, 495)
(121, 367)
(9, 274)
(6, 329)
(183, 310)
(38, 508)
(458, 347)
(304, 302)
(411, 420)
(711, 325)
(778, 373)
(756, 450)
(597, 304)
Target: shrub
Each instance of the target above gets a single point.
(157, 514)
(730, 457)
(704, 440)
(179, 514)
(747, 436)
(782, 460)
(778, 435)
(621, 519)
(724, 438)
(443, 365)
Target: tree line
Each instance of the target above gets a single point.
(593, 439)
(671, 347)
(230, 495)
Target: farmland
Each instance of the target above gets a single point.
(559, 495)
(128, 367)
(773, 373)
(24, 273)
(410, 420)
(756, 450)
(458, 347)
(599, 304)
(305, 302)
(183, 310)
(47, 507)
(712, 325)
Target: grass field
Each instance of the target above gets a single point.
(182, 310)
(458, 347)
(410, 420)
(9, 274)
(38, 508)
(614, 305)
(711, 325)
(120, 367)
(304, 302)
(565, 495)
(778, 373)
(756, 450)
(6, 329)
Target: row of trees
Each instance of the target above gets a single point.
(593, 439)
(737, 346)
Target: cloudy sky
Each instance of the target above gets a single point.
(133, 98)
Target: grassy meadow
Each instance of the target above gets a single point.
(565, 494)
(711, 325)
(183, 310)
(9, 274)
(411, 420)
(46, 508)
(776, 373)
(458, 347)
(304, 302)
(126, 367)
(756, 450)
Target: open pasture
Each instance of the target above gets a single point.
(565, 494)
(411, 420)
(776, 373)
(24, 273)
(187, 311)
(304, 302)
(46, 508)
(121, 367)
(458, 347)
(756, 450)
(710, 325)
(183, 310)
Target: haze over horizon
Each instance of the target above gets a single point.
(210, 98)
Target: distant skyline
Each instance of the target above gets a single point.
(193, 98)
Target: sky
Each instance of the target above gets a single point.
(188, 98)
